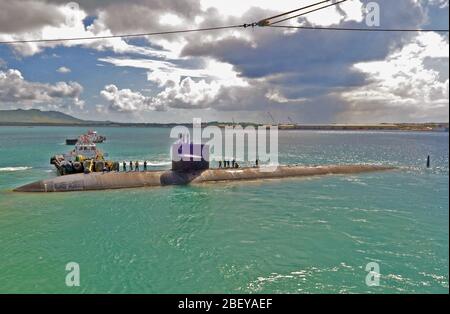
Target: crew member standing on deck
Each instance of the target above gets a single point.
(131, 165)
(136, 168)
(124, 166)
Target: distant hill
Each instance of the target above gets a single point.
(37, 116)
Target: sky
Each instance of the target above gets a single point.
(305, 76)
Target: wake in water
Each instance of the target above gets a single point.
(11, 169)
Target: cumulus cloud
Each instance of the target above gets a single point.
(63, 70)
(199, 94)
(189, 94)
(15, 89)
(182, 87)
(128, 101)
(409, 83)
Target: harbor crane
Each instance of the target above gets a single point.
(271, 117)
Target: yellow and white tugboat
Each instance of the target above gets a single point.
(85, 157)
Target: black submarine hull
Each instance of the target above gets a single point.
(122, 180)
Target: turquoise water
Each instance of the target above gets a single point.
(312, 235)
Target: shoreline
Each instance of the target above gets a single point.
(404, 127)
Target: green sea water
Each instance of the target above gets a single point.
(310, 235)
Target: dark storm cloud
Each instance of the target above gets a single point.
(137, 15)
(321, 57)
(188, 7)
(323, 108)
(18, 16)
(381, 111)
(118, 16)
(145, 15)
(313, 65)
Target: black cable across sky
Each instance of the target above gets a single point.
(310, 11)
(273, 24)
(25, 41)
(296, 10)
(121, 36)
(263, 23)
(359, 29)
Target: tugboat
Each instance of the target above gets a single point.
(91, 135)
(94, 137)
(84, 158)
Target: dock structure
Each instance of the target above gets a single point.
(122, 180)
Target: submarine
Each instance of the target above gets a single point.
(186, 169)
(122, 180)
